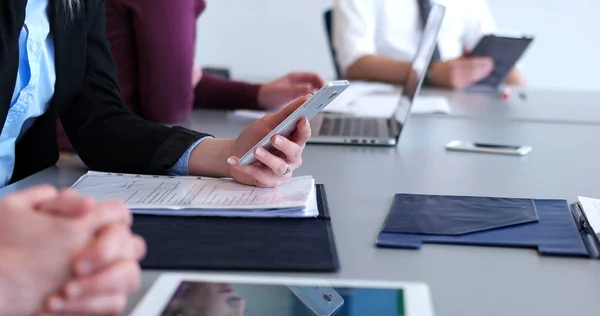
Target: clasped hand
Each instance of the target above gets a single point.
(66, 254)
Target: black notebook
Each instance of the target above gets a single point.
(223, 243)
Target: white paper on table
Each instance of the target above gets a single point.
(384, 105)
(184, 195)
(371, 100)
(247, 114)
(431, 104)
(344, 102)
(591, 208)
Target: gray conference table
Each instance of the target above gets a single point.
(465, 280)
(573, 107)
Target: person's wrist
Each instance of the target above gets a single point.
(260, 98)
(209, 158)
(4, 288)
(433, 72)
(10, 305)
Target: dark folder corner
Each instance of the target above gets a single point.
(557, 232)
(455, 215)
(259, 244)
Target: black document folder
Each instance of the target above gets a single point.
(560, 229)
(226, 243)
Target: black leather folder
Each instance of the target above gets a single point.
(222, 243)
(552, 227)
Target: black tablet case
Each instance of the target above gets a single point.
(221, 243)
(505, 51)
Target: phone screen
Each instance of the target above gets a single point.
(496, 146)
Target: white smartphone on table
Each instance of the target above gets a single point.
(310, 108)
(487, 148)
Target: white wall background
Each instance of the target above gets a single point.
(262, 39)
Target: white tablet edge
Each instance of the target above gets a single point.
(417, 296)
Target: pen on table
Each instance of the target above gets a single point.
(507, 92)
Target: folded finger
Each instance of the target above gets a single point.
(483, 63)
(120, 278)
(109, 212)
(32, 196)
(277, 165)
(315, 80)
(95, 305)
(262, 176)
(302, 133)
(114, 243)
(291, 151)
(301, 89)
(67, 203)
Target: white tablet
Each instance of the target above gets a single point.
(192, 294)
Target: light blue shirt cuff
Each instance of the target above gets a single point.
(181, 166)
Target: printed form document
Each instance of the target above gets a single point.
(196, 196)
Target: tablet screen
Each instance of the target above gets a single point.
(206, 294)
(224, 299)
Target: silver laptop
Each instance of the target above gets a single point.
(331, 128)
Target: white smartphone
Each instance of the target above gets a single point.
(310, 108)
(320, 300)
(486, 148)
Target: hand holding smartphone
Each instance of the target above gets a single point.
(310, 108)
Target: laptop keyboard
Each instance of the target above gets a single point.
(349, 127)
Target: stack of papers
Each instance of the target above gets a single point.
(367, 99)
(194, 196)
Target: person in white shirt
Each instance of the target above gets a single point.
(376, 40)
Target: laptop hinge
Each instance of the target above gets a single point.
(395, 127)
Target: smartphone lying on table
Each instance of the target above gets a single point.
(310, 108)
(488, 148)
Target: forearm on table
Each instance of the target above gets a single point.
(209, 158)
(378, 68)
(221, 93)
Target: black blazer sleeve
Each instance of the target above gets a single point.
(105, 134)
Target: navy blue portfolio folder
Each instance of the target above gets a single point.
(553, 227)
(263, 244)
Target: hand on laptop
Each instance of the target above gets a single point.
(281, 91)
(461, 72)
(46, 236)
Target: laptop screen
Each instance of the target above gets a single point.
(420, 62)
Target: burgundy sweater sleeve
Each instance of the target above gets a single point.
(220, 93)
(153, 45)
